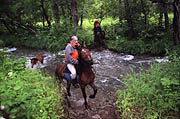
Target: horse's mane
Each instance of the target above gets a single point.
(82, 64)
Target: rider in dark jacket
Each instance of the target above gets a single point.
(97, 29)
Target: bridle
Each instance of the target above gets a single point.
(85, 62)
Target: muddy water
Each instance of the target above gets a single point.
(110, 68)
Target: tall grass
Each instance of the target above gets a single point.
(27, 94)
(152, 95)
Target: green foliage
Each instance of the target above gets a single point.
(132, 47)
(152, 95)
(28, 94)
(23, 17)
(85, 35)
(1, 43)
(151, 40)
(53, 40)
(8, 39)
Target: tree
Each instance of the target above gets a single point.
(129, 20)
(74, 13)
(120, 12)
(160, 9)
(176, 21)
(45, 14)
(166, 15)
(55, 9)
(144, 11)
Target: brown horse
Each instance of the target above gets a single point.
(99, 39)
(86, 74)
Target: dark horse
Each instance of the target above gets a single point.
(99, 38)
(86, 74)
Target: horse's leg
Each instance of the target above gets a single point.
(75, 83)
(68, 87)
(103, 35)
(98, 39)
(84, 95)
(95, 39)
(95, 90)
(102, 38)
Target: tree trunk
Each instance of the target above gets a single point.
(63, 11)
(176, 22)
(129, 20)
(166, 16)
(160, 14)
(120, 12)
(74, 13)
(45, 14)
(144, 12)
(81, 21)
(43, 20)
(55, 10)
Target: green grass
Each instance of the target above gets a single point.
(28, 94)
(152, 94)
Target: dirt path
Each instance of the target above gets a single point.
(110, 68)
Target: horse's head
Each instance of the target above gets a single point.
(34, 61)
(85, 55)
(37, 58)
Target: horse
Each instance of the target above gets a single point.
(99, 38)
(85, 71)
(37, 58)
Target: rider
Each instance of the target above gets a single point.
(71, 56)
(97, 28)
(99, 34)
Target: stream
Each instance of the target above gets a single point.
(110, 67)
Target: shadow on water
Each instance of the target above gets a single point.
(110, 69)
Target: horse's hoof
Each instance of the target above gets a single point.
(92, 96)
(87, 107)
(69, 94)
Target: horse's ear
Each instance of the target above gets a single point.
(84, 44)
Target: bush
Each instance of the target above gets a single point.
(152, 95)
(28, 94)
(115, 31)
(85, 35)
(126, 46)
(1, 43)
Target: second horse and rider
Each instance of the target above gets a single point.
(99, 35)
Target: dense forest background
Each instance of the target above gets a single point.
(134, 26)
(131, 26)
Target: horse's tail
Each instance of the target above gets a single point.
(56, 73)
